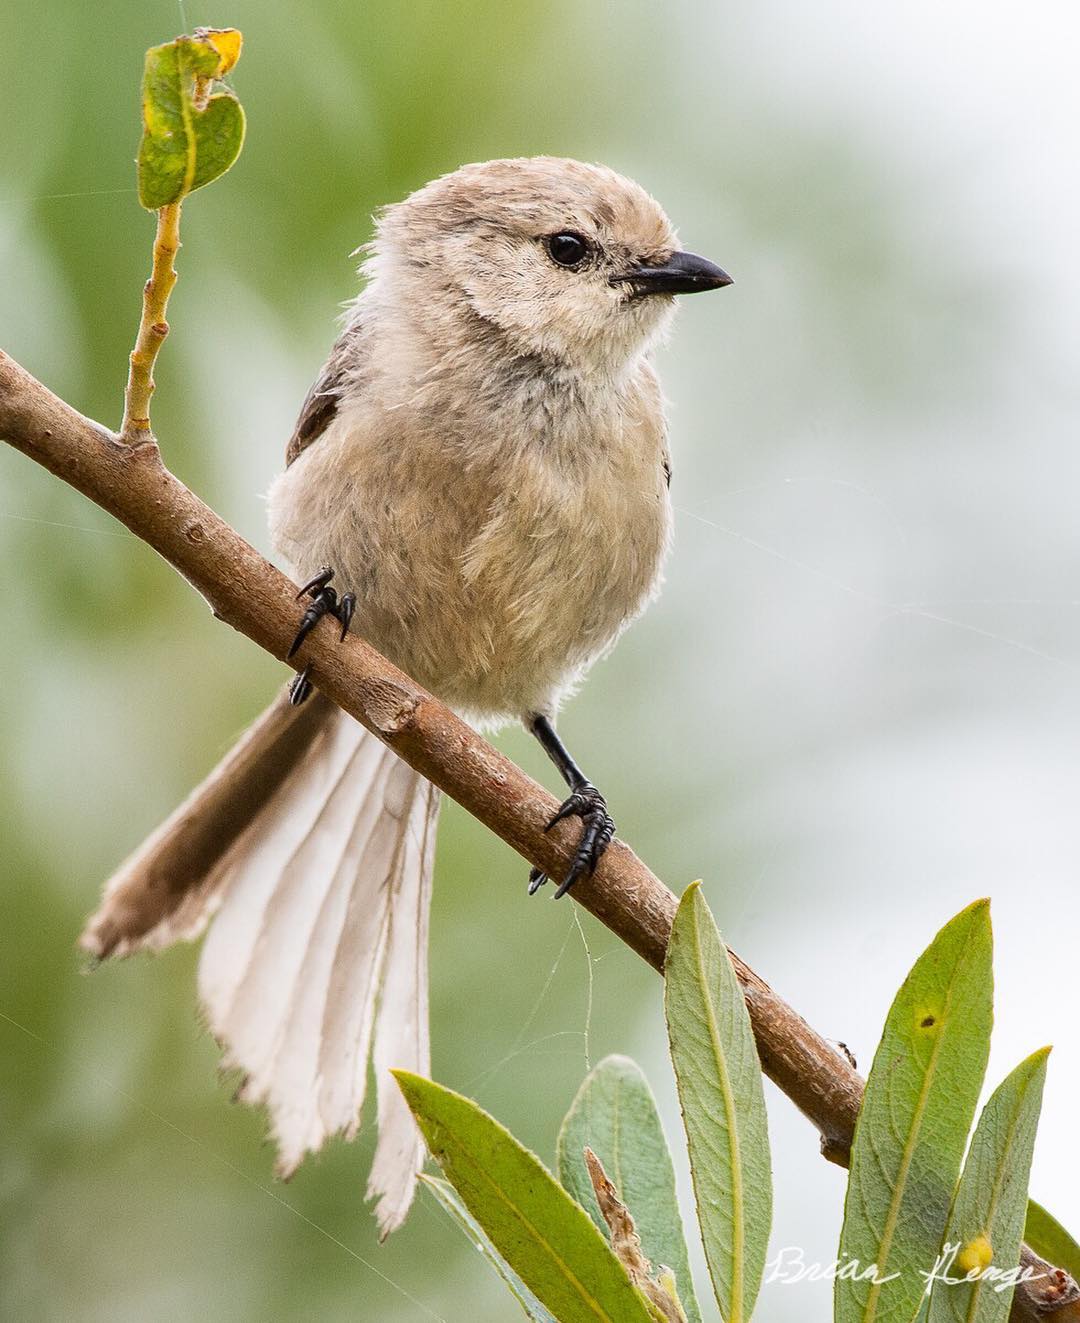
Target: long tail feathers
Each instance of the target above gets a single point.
(401, 1030)
(166, 891)
(319, 949)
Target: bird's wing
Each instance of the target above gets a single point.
(343, 367)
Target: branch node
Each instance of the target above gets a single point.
(391, 707)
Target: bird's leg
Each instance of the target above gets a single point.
(584, 802)
(324, 602)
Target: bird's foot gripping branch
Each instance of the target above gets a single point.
(193, 132)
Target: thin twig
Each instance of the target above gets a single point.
(153, 328)
(246, 591)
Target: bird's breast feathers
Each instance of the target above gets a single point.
(491, 563)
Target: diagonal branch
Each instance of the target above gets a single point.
(131, 482)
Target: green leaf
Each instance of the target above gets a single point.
(987, 1219)
(450, 1200)
(914, 1122)
(544, 1236)
(723, 1107)
(219, 135)
(1050, 1241)
(615, 1115)
(188, 139)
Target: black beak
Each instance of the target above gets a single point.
(682, 273)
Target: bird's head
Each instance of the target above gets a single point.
(571, 263)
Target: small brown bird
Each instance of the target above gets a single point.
(482, 471)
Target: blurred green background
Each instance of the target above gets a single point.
(855, 708)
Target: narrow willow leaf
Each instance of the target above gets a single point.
(544, 1236)
(188, 139)
(987, 1220)
(914, 1122)
(1050, 1241)
(723, 1107)
(615, 1115)
(450, 1200)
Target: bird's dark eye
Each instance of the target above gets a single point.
(567, 248)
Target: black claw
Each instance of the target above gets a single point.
(314, 585)
(537, 878)
(324, 602)
(345, 611)
(588, 804)
(574, 805)
(300, 687)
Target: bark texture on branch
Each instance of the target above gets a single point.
(131, 482)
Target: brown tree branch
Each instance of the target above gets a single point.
(131, 482)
